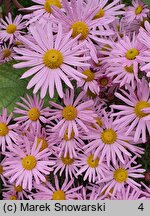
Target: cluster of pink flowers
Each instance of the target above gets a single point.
(86, 146)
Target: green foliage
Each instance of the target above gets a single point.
(147, 2)
(12, 87)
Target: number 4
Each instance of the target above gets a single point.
(141, 207)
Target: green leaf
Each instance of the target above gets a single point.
(11, 86)
(147, 2)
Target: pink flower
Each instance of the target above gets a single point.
(133, 114)
(74, 115)
(138, 11)
(32, 112)
(110, 142)
(51, 59)
(6, 53)
(11, 29)
(122, 175)
(66, 192)
(26, 163)
(7, 131)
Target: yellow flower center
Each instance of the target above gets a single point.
(66, 135)
(103, 82)
(90, 75)
(80, 27)
(91, 162)
(138, 108)
(53, 59)
(120, 175)
(44, 143)
(59, 195)
(108, 136)
(49, 3)
(99, 14)
(98, 122)
(132, 53)
(3, 129)
(69, 113)
(67, 160)
(11, 28)
(18, 188)
(33, 114)
(6, 53)
(90, 94)
(18, 43)
(1, 169)
(138, 10)
(29, 162)
(13, 197)
(129, 69)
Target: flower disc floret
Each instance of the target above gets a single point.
(91, 162)
(59, 195)
(120, 175)
(80, 27)
(13, 197)
(132, 53)
(138, 108)
(89, 74)
(49, 3)
(69, 113)
(3, 129)
(138, 10)
(44, 143)
(129, 69)
(66, 138)
(6, 53)
(108, 136)
(53, 59)
(29, 162)
(1, 169)
(18, 188)
(99, 14)
(67, 160)
(11, 29)
(33, 114)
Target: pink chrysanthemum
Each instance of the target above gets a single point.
(26, 163)
(79, 17)
(66, 192)
(51, 59)
(32, 112)
(2, 172)
(122, 175)
(66, 165)
(74, 115)
(91, 169)
(136, 114)
(42, 11)
(111, 142)
(10, 195)
(138, 11)
(7, 131)
(6, 53)
(89, 83)
(11, 29)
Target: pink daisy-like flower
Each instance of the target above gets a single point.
(32, 112)
(66, 192)
(6, 53)
(42, 11)
(79, 16)
(106, 9)
(51, 59)
(92, 168)
(111, 142)
(2, 171)
(133, 114)
(10, 195)
(25, 164)
(7, 131)
(66, 165)
(11, 29)
(16, 191)
(121, 175)
(125, 52)
(137, 11)
(74, 115)
(90, 82)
